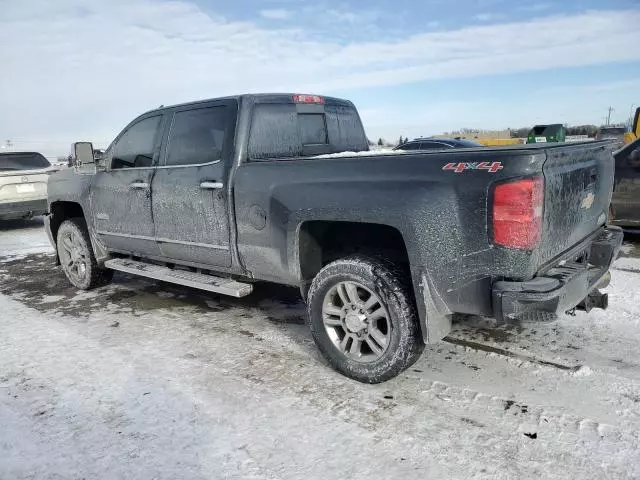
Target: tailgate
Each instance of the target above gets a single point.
(578, 186)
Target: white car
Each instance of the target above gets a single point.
(23, 184)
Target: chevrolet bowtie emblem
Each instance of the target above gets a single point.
(587, 201)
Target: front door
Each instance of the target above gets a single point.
(121, 196)
(189, 200)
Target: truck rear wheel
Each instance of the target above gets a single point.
(363, 319)
(77, 258)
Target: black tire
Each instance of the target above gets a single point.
(94, 275)
(388, 283)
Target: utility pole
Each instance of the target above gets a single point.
(609, 116)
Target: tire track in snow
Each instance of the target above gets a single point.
(515, 416)
(507, 353)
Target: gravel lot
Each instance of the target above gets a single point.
(143, 380)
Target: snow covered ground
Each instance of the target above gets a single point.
(143, 380)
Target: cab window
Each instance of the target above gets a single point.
(135, 148)
(198, 136)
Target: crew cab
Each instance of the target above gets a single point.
(23, 184)
(385, 246)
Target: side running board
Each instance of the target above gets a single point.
(201, 281)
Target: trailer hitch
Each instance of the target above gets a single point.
(594, 300)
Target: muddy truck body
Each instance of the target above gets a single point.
(385, 246)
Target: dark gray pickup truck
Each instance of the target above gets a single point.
(385, 247)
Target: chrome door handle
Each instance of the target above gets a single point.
(211, 185)
(139, 185)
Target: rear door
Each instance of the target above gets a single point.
(120, 197)
(189, 204)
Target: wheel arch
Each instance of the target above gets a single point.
(322, 241)
(61, 210)
(316, 248)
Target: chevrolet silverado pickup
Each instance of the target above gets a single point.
(385, 247)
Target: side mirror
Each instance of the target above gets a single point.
(83, 158)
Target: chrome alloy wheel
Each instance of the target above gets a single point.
(73, 256)
(356, 321)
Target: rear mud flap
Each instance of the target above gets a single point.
(435, 317)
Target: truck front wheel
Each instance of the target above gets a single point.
(363, 319)
(77, 258)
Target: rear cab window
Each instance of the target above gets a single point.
(283, 129)
(22, 161)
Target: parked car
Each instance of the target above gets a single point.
(556, 132)
(385, 247)
(625, 204)
(23, 184)
(437, 144)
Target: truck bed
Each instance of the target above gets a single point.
(442, 215)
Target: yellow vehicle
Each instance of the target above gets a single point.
(634, 134)
(496, 142)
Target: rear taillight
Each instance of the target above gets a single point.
(517, 213)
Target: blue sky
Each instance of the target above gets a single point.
(396, 19)
(77, 70)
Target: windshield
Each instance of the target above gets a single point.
(22, 161)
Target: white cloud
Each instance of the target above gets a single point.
(275, 14)
(78, 69)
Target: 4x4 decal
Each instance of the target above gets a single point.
(491, 167)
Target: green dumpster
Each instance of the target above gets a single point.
(555, 132)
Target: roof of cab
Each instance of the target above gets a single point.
(255, 98)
